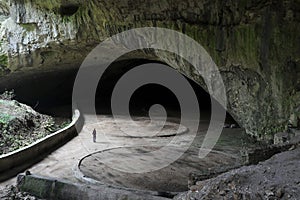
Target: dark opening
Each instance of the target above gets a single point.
(68, 10)
(147, 95)
(47, 92)
(51, 92)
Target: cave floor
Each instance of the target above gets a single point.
(110, 145)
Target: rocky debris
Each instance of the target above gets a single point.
(276, 178)
(208, 174)
(12, 193)
(20, 125)
(281, 137)
(292, 136)
(282, 142)
(294, 132)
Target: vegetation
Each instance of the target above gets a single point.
(29, 27)
(20, 125)
(7, 95)
(48, 4)
(5, 118)
(3, 60)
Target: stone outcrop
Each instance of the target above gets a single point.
(255, 44)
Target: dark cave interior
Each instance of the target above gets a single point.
(51, 92)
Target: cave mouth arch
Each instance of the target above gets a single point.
(54, 89)
(147, 95)
(141, 100)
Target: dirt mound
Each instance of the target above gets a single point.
(276, 178)
(20, 125)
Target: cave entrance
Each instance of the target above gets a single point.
(51, 93)
(167, 180)
(147, 95)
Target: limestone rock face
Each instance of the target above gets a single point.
(255, 44)
(29, 29)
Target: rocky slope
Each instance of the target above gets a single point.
(20, 125)
(276, 178)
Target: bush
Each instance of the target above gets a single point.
(8, 95)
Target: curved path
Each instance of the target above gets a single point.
(60, 163)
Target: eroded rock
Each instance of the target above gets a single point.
(254, 44)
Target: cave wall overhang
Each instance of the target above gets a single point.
(254, 44)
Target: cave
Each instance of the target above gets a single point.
(148, 95)
(51, 92)
(241, 58)
(68, 10)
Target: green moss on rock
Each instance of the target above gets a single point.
(5, 118)
(48, 4)
(262, 37)
(29, 27)
(3, 60)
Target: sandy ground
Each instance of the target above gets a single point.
(60, 163)
(110, 166)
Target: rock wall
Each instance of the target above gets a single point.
(254, 43)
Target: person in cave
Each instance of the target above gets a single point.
(94, 135)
